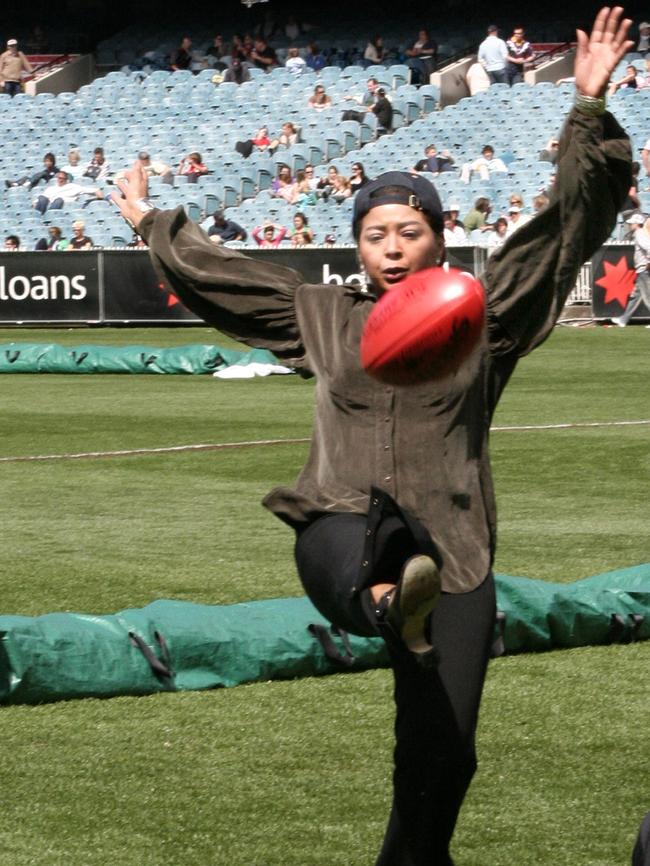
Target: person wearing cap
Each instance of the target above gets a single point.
(395, 502)
(223, 230)
(516, 217)
(13, 64)
(79, 239)
(633, 223)
(492, 55)
(641, 292)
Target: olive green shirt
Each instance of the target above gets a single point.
(425, 445)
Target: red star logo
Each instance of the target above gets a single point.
(172, 300)
(618, 282)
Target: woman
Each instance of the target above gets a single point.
(302, 193)
(192, 166)
(301, 234)
(358, 178)
(283, 183)
(288, 137)
(498, 236)
(341, 189)
(396, 497)
(325, 184)
(260, 142)
(319, 100)
(375, 51)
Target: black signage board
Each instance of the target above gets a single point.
(612, 277)
(49, 287)
(121, 286)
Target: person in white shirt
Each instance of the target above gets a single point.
(295, 63)
(644, 38)
(63, 191)
(492, 55)
(476, 78)
(74, 169)
(498, 236)
(454, 234)
(516, 219)
(485, 165)
(645, 158)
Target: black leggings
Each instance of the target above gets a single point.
(436, 708)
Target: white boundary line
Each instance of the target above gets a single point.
(253, 443)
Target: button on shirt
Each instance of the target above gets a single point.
(425, 445)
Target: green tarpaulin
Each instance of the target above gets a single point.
(52, 358)
(66, 655)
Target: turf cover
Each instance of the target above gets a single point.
(52, 358)
(66, 655)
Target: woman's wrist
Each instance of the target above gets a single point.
(594, 106)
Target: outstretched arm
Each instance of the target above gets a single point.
(530, 277)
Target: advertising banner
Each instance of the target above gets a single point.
(49, 287)
(121, 286)
(613, 277)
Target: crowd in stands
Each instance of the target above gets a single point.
(86, 179)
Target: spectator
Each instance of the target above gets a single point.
(192, 167)
(368, 99)
(262, 55)
(79, 240)
(182, 57)
(383, 111)
(97, 168)
(55, 241)
(516, 219)
(627, 82)
(288, 137)
(358, 178)
(61, 192)
(301, 234)
(292, 28)
(294, 62)
(644, 38)
(485, 165)
(645, 159)
(540, 202)
(454, 212)
(641, 291)
(302, 193)
(422, 56)
(215, 52)
(643, 79)
(47, 173)
(454, 235)
(433, 162)
(477, 79)
(237, 72)
(319, 100)
(550, 152)
(375, 52)
(329, 240)
(259, 142)
(12, 243)
(155, 167)
(316, 60)
(492, 55)
(477, 216)
(341, 189)
(73, 167)
(12, 65)
(224, 230)
(499, 235)
(268, 237)
(633, 223)
(283, 184)
(325, 184)
(310, 177)
(520, 52)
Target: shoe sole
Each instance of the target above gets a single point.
(420, 593)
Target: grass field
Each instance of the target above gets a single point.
(298, 773)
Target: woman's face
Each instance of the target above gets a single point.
(298, 222)
(332, 173)
(285, 174)
(395, 240)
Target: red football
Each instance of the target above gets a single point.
(424, 327)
